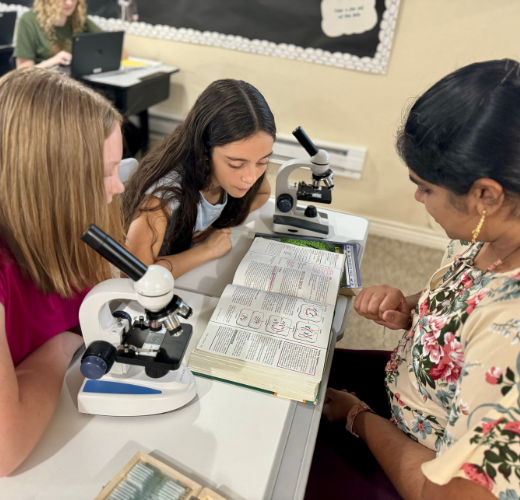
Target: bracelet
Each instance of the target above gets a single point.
(166, 260)
(359, 407)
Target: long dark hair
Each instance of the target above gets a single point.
(466, 127)
(227, 111)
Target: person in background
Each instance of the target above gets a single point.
(205, 178)
(448, 426)
(44, 34)
(61, 148)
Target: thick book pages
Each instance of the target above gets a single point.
(350, 283)
(271, 327)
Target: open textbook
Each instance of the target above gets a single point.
(350, 284)
(271, 327)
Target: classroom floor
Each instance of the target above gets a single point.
(394, 263)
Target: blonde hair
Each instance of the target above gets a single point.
(52, 133)
(49, 11)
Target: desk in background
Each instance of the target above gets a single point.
(243, 443)
(134, 91)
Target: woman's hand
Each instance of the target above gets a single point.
(337, 404)
(385, 306)
(218, 243)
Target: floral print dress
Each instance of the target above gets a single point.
(453, 382)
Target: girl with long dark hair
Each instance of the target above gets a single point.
(205, 178)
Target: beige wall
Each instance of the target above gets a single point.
(432, 38)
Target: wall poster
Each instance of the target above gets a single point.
(352, 34)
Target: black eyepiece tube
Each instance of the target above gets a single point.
(112, 251)
(304, 140)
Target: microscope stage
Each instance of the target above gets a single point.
(321, 194)
(170, 354)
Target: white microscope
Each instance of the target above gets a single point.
(135, 341)
(289, 218)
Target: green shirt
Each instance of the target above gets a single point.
(34, 44)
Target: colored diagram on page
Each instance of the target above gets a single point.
(273, 315)
(311, 312)
(256, 320)
(306, 332)
(244, 317)
(278, 325)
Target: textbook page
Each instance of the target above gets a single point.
(271, 329)
(291, 270)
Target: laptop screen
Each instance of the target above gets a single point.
(94, 53)
(7, 24)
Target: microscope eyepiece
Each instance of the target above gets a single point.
(305, 141)
(112, 251)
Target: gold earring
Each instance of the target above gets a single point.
(476, 232)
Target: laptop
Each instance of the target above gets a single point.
(94, 53)
(7, 24)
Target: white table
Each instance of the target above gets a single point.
(294, 455)
(130, 77)
(242, 443)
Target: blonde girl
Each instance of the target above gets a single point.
(60, 147)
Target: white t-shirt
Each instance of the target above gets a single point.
(207, 213)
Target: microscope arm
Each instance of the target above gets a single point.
(282, 178)
(95, 317)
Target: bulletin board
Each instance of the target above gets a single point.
(352, 34)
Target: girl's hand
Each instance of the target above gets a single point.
(62, 58)
(201, 236)
(337, 404)
(385, 306)
(218, 243)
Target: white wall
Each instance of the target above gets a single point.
(433, 38)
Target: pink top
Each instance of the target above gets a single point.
(32, 318)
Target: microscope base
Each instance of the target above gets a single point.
(286, 224)
(136, 394)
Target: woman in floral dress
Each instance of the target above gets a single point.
(453, 381)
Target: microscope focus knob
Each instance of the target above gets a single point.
(284, 203)
(98, 359)
(311, 212)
